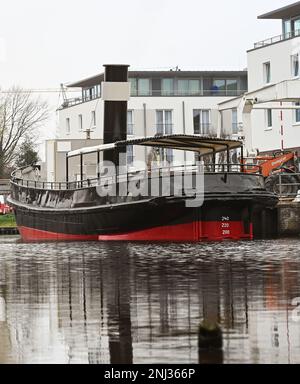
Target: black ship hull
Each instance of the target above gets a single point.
(236, 209)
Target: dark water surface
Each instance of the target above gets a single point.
(142, 303)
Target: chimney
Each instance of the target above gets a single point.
(115, 93)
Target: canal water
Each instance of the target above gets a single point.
(142, 303)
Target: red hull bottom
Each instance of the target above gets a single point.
(31, 234)
(195, 231)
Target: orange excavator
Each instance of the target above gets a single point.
(282, 165)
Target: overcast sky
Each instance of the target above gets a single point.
(44, 43)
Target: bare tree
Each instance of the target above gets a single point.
(20, 116)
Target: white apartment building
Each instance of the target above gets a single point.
(272, 123)
(163, 102)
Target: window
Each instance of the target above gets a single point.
(297, 113)
(164, 124)
(269, 118)
(91, 92)
(169, 155)
(80, 124)
(68, 126)
(296, 27)
(287, 28)
(133, 83)
(231, 87)
(93, 118)
(144, 87)
(201, 122)
(194, 87)
(234, 122)
(188, 87)
(129, 122)
(219, 85)
(167, 87)
(224, 87)
(129, 154)
(267, 73)
(295, 65)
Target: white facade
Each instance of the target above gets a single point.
(148, 115)
(266, 132)
(272, 123)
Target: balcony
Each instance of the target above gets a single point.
(203, 93)
(200, 93)
(277, 39)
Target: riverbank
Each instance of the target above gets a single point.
(7, 221)
(8, 225)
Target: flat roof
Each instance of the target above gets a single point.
(97, 79)
(202, 145)
(286, 12)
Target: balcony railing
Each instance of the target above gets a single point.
(190, 93)
(164, 129)
(277, 39)
(205, 129)
(203, 93)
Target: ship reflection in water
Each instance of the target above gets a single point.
(143, 303)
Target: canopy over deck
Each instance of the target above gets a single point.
(202, 145)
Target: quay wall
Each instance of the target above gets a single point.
(288, 218)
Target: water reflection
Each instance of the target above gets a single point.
(143, 303)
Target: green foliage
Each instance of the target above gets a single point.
(27, 154)
(7, 221)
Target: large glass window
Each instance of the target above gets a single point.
(297, 113)
(295, 65)
(80, 124)
(234, 122)
(68, 126)
(144, 87)
(188, 87)
(133, 83)
(130, 156)
(202, 123)
(183, 87)
(194, 87)
(164, 125)
(231, 87)
(93, 118)
(297, 27)
(219, 86)
(167, 87)
(267, 72)
(269, 118)
(129, 122)
(287, 28)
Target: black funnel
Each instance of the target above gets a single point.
(115, 112)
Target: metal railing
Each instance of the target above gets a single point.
(288, 188)
(159, 172)
(205, 129)
(277, 39)
(164, 129)
(152, 93)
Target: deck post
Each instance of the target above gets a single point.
(81, 168)
(98, 165)
(242, 158)
(214, 161)
(67, 170)
(228, 158)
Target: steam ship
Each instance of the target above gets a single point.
(235, 203)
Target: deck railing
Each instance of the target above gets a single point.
(159, 172)
(277, 39)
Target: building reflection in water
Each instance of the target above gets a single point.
(143, 303)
